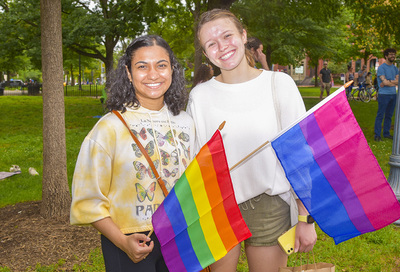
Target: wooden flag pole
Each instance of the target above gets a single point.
(245, 158)
(221, 126)
(252, 153)
(267, 142)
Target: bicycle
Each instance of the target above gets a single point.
(367, 93)
(372, 92)
(359, 94)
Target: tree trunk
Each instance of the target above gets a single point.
(268, 53)
(316, 75)
(56, 198)
(72, 76)
(8, 76)
(109, 61)
(198, 51)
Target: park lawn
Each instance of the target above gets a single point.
(21, 141)
(21, 144)
(313, 91)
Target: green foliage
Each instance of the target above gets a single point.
(177, 21)
(378, 18)
(31, 74)
(335, 30)
(290, 29)
(94, 28)
(20, 35)
(338, 68)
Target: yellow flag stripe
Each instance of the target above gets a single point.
(207, 223)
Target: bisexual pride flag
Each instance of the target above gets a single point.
(331, 168)
(199, 221)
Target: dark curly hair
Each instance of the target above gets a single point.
(388, 51)
(122, 93)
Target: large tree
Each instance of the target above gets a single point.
(374, 26)
(177, 25)
(94, 28)
(20, 35)
(56, 198)
(288, 28)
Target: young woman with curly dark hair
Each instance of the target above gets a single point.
(114, 188)
(122, 92)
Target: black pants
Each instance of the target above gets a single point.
(117, 260)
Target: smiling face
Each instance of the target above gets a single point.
(151, 75)
(223, 44)
(391, 57)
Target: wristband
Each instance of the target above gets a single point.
(306, 219)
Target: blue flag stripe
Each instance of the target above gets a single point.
(178, 222)
(334, 174)
(311, 186)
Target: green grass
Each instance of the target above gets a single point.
(21, 126)
(21, 144)
(313, 91)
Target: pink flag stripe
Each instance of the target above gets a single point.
(353, 164)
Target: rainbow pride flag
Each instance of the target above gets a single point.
(199, 221)
(333, 171)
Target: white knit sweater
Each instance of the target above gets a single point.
(250, 116)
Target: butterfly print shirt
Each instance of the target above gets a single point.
(113, 178)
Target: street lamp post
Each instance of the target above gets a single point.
(394, 160)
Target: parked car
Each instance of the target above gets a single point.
(17, 83)
(14, 83)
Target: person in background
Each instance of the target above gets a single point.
(203, 74)
(368, 81)
(326, 79)
(243, 97)
(362, 74)
(114, 188)
(388, 79)
(256, 48)
(348, 77)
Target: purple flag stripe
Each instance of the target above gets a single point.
(334, 174)
(169, 248)
(350, 148)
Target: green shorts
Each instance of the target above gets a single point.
(267, 217)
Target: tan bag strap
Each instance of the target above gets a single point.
(276, 103)
(293, 205)
(144, 152)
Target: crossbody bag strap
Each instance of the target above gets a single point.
(276, 102)
(293, 205)
(144, 152)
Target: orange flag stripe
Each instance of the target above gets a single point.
(213, 190)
